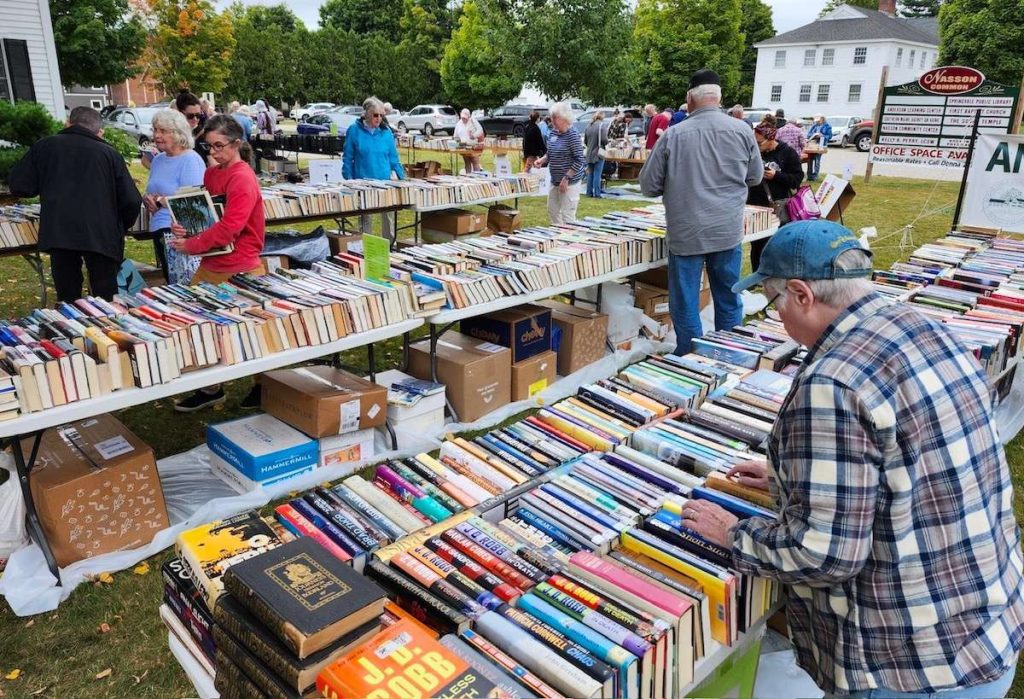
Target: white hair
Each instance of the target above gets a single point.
(371, 105)
(465, 112)
(705, 93)
(562, 110)
(174, 122)
(834, 293)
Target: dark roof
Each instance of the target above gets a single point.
(873, 25)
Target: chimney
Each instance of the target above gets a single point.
(888, 7)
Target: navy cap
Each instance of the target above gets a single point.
(704, 76)
(806, 250)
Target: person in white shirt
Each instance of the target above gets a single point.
(469, 134)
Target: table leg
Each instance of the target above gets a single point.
(35, 261)
(24, 468)
(599, 288)
(371, 362)
(435, 335)
(406, 342)
(416, 226)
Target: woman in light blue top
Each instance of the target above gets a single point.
(177, 165)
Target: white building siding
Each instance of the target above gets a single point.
(29, 20)
(838, 77)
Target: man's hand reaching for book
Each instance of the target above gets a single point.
(753, 474)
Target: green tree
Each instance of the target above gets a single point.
(269, 42)
(279, 17)
(756, 26)
(98, 41)
(672, 39)
(833, 4)
(327, 66)
(574, 47)
(984, 34)
(918, 8)
(363, 16)
(191, 45)
(475, 70)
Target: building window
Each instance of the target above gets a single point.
(854, 93)
(96, 104)
(828, 57)
(860, 55)
(910, 63)
(776, 93)
(780, 59)
(924, 55)
(809, 56)
(805, 92)
(823, 90)
(899, 57)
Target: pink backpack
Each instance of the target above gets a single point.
(802, 205)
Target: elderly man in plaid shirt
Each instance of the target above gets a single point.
(896, 534)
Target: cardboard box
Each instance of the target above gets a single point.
(275, 262)
(583, 332)
(501, 217)
(96, 489)
(454, 221)
(340, 243)
(533, 375)
(658, 277)
(526, 330)
(241, 484)
(476, 374)
(653, 301)
(429, 235)
(354, 448)
(262, 448)
(322, 401)
(845, 199)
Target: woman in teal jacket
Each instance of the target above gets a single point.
(371, 154)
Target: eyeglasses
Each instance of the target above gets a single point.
(190, 116)
(218, 147)
(376, 116)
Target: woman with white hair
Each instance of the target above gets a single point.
(469, 134)
(567, 163)
(175, 165)
(371, 154)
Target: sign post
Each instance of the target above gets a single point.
(876, 116)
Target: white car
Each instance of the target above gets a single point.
(428, 118)
(311, 109)
(841, 128)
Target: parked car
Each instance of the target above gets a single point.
(510, 120)
(636, 128)
(861, 134)
(753, 115)
(301, 114)
(842, 129)
(111, 107)
(577, 108)
(137, 122)
(343, 116)
(428, 118)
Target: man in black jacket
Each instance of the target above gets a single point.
(88, 201)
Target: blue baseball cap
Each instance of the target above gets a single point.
(806, 250)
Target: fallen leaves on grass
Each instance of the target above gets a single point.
(105, 578)
(104, 628)
(29, 623)
(40, 690)
(138, 678)
(13, 674)
(141, 569)
(103, 675)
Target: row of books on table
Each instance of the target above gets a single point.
(19, 225)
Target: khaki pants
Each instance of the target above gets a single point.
(204, 275)
(562, 207)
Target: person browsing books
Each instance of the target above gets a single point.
(567, 164)
(371, 154)
(534, 142)
(595, 138)
(87, 202)
(469, 134)
(819, 134)
(896, 534)
(176, 165)
(782, 175)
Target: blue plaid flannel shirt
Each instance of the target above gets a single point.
(896, 533)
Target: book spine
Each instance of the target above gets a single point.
(333, 533)
(261, 610)
(425, 576)
(300, 526)
(568, 649)
(487, 560)
(197, 625)
(630, 584)
(259, 674)
(364, 508)
(594, 619)
(228, 623)
(424, 606)
(501, 551)
(449, 573)
(686, 540)
(340, 520)
(230, 681)
(529, 680)
(473, 570)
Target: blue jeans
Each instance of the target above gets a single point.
(814, 166)
(684, 272)
(594, 178)
(997, 688)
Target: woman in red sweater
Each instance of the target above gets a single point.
(243, 223)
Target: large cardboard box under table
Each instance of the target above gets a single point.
(533, 375)
(525, 329)
(322, 401)
(584, 333)
(96, 489)
(501, 217)
(454, 221)
(476, 374)
(262, 449)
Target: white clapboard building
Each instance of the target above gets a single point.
(833, 65)
(28, 57)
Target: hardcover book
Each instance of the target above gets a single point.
(306, 596)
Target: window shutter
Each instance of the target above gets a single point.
(20, 70)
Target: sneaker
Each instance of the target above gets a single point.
(253, 398)
(199, 400)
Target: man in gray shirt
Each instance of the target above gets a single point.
(702, 168)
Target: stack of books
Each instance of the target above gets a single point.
(285, 616)
(19, 225)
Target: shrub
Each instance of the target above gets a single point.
(8, 157)
(124, 144)
(24, 123)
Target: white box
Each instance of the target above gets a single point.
(261, 447)
(354, 448)
(400, 415)
(240, 483)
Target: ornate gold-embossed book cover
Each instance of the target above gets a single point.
(305, 596)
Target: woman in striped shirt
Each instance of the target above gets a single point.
(567, 164)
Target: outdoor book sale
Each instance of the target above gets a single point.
(344, 368)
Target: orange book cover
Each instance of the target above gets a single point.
(403, 661)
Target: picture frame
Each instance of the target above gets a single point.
(195, 211)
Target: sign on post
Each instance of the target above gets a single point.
(928, 122)
(994, 192)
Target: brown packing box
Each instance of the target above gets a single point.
(97, 489)
(476, 373)
(651, 299)
(454, 221)
(658, 277)
(340, 243)
(584, 333)
(533, 375)
(503, 218)
(845, 199)
(322, 401)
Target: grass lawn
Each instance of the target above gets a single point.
(116, 625)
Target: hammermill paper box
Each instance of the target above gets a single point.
(323, 401)
(476, 374)
(262, 449)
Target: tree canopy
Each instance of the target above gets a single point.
(98, 41)
(475, 70)
(984, 34)
(190, 46)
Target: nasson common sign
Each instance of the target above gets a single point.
(928, 122)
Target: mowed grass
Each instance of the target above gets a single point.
(62, 652)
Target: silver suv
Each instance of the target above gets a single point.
(430, 119)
